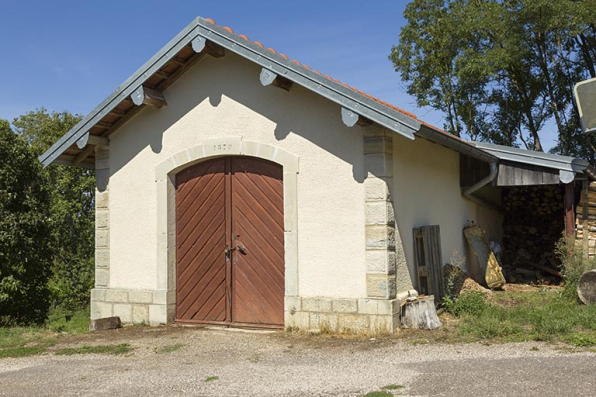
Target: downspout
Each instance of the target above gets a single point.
(467, 193)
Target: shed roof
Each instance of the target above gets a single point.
(547, 160)
(204, 36)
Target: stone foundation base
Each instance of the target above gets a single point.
(370, 316)
(133, 306)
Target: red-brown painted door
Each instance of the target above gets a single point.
(230, 242)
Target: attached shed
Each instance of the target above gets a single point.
(238, 187)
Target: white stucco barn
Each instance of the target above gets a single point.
(238, 187)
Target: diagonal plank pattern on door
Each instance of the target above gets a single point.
(230, 242)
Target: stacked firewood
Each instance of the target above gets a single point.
(587, 201)
(533, 222)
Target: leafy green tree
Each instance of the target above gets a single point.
(25, 242)
(72, 208)
(500, 70)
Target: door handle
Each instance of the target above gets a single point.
(241, 248)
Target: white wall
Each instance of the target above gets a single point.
(427, 192)
(224, 98)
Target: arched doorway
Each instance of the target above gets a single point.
(230, 242)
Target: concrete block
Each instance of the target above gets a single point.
(380, 237)
(101, 310)
(140, 296)
(380, 261)
(163, 297)
(386, 307)
(140, 314)
(353, 323)
(102, 199)
(158, 315)
(115, 295)
(293, 303)
(381, 325)
(368, 306)
(102, 219)
(102, 258)
(379, 213)
(124, 311)
(380, 286)
(300, 320)
(316, 305)
(98, 295)
(345, 305)
(314, 320)
(102, 238)
(102, 278)
(378, 189)
(327, 322)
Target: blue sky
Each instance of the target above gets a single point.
(70, 55)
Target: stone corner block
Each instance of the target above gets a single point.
(158, 315)
(116, 296)
(380, 286)
(300, 320)
(293, 303)
(100, 310)
(140, 314)
(98, 295)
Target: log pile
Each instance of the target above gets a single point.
(534, 220)
(586, 219)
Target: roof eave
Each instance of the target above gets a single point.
(200, 28)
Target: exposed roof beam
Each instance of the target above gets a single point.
(83, 155)
(270, 78)
(93, 140)
(147, 96)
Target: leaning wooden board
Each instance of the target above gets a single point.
(486, 258)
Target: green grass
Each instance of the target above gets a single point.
(169, 348)
(392, 387)
(122, 348)
(22, 351)
(211, 378)
(545, 315)
(27, 341)
(379, 394)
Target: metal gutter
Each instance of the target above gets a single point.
(531, 157)
(336, 92)
(494, 171)
(455, 143)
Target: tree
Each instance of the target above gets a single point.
(72, 208)
(25, 243)
(501, 70)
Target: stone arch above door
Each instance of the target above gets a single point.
(165, 189)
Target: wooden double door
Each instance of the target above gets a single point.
(230, 243)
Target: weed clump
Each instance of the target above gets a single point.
(573, 265)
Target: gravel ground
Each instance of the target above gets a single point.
(279, 364)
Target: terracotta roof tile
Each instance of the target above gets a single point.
(388, 105)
